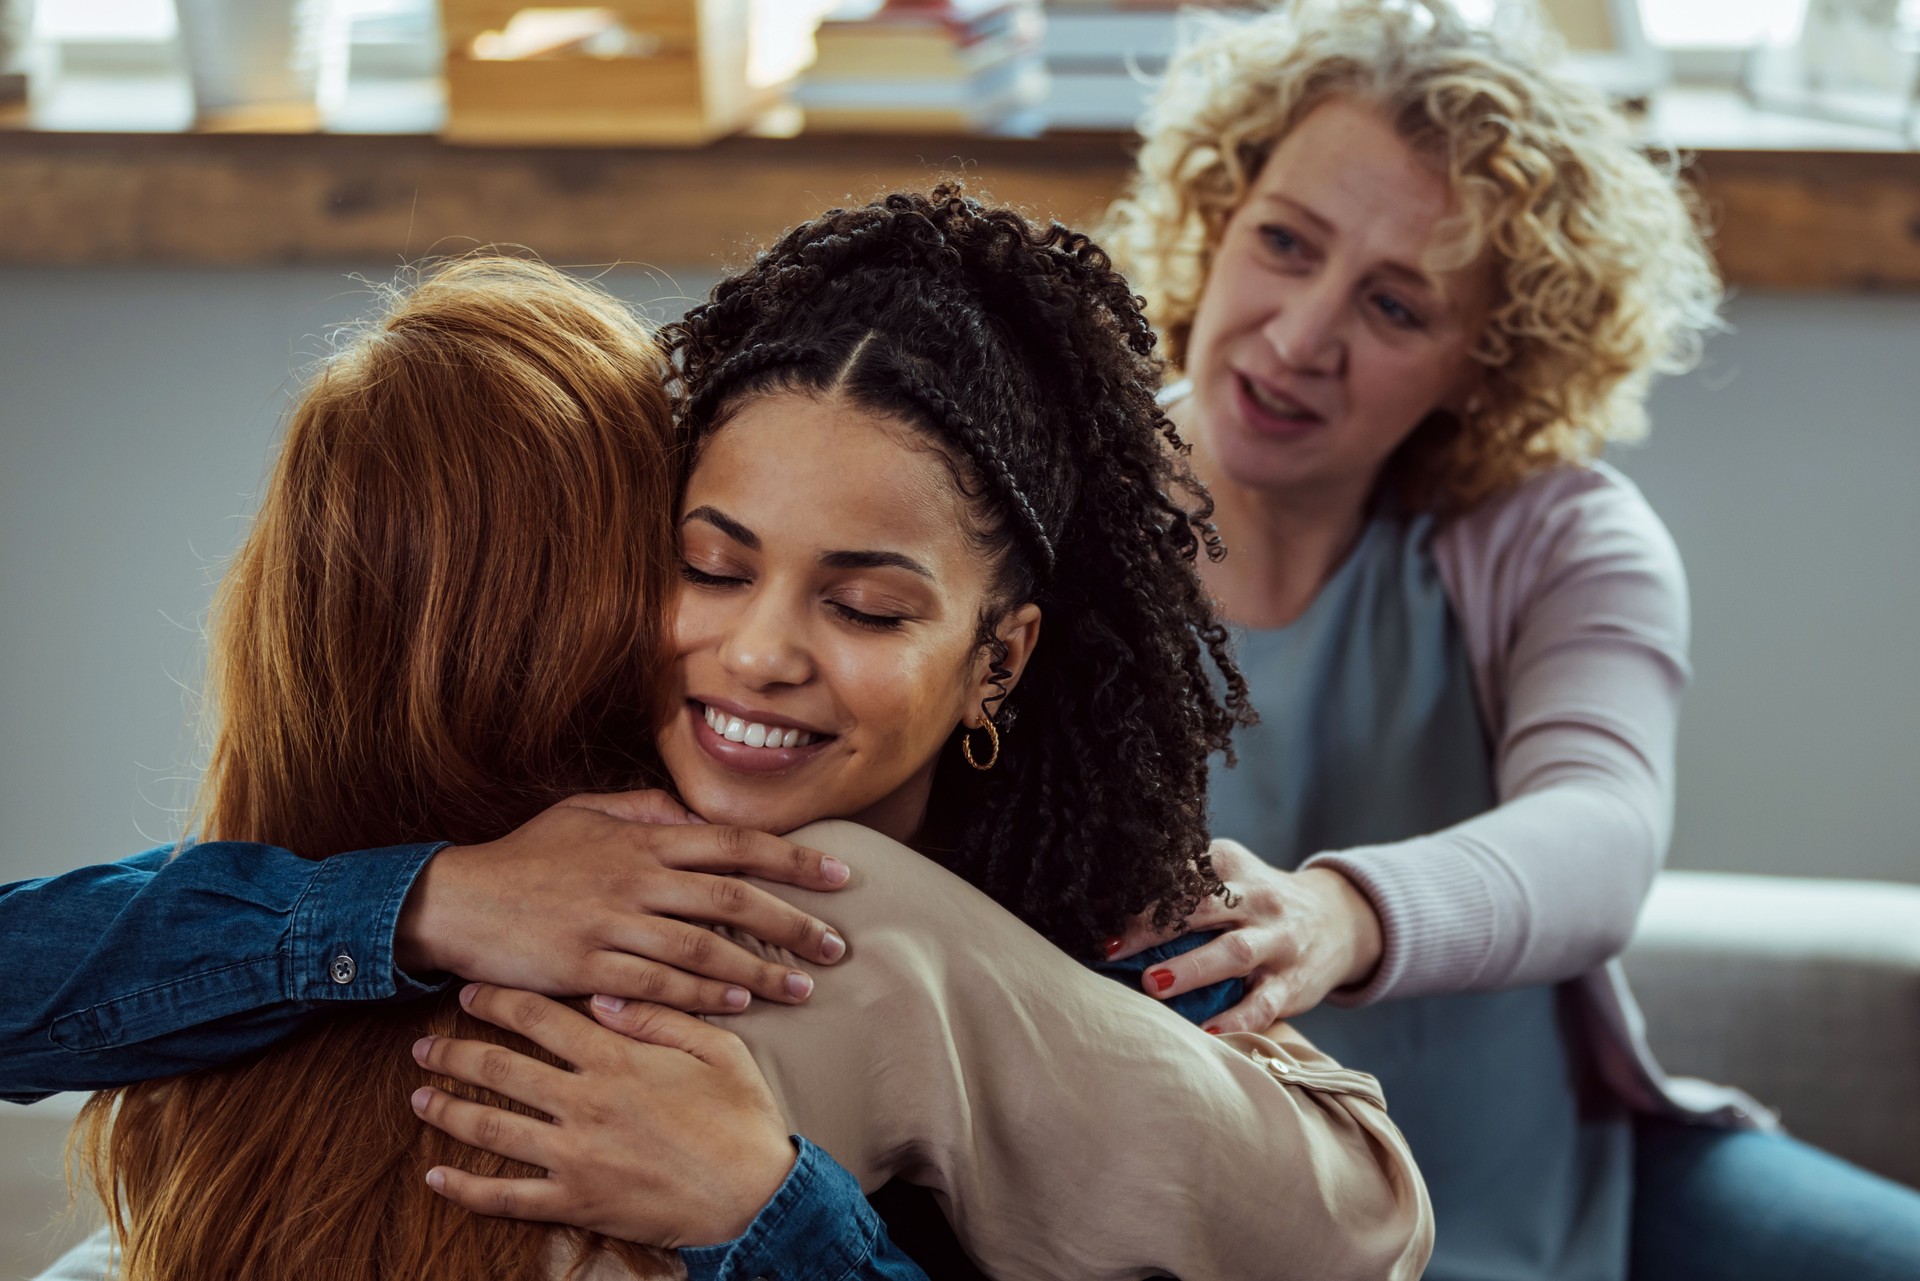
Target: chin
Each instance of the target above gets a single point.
(1257, 464)
(772, 810)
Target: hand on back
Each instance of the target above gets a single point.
(664, 1133)
(611, 894)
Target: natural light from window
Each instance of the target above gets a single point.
(1675, 23)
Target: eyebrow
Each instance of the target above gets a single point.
(833, 560)
(725, 524)
(1412, 274)
(875, 560)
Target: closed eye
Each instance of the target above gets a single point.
(860, 618)
(701, 578)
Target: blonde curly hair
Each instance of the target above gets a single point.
(1601, 277)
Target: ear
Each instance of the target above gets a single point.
(1019, 631)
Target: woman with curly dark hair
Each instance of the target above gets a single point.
(1020, 356)
(938, 545)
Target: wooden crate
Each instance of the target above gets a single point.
(692, 86)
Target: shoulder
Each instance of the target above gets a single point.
(1579, 511)
(1564, 521)
(1578, 548)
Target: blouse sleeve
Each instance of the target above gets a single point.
(1573, 603)
(1065, 1125)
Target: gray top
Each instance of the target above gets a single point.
(1370, 733)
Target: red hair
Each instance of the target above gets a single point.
(447, 616)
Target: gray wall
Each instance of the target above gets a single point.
(137, 408)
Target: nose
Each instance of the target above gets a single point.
(766, 644)
(1304, 329)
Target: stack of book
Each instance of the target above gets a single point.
(937, 65)
(1104, 57)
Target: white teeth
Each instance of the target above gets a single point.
(1268, 402)
(752, 733)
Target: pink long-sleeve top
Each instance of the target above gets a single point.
(1572, 602)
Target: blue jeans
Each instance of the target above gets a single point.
(1717, 1205)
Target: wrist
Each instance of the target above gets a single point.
(760, 1180)
(422, 941)
(1364, 939)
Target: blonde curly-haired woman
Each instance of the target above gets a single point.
(1415, 284)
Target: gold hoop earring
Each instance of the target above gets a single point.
(993, 737)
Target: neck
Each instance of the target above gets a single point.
(902, 813)
(1282, 544)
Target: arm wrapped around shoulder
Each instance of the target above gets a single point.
(1068, 1125)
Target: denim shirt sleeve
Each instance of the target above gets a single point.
(157, 964)
(817, 1227)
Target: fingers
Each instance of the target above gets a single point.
(537, 1200)
(1264, 1004)
(1213, 913)
(637, 978)
(565, 1033)
(1139, 936)
(705, 973)
(658, 1025)
(481, 1125)
(649, 806)
(741, 849)
(494, 1067)
(1234, 954)
(728, 900)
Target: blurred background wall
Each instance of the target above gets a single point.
(138, 407)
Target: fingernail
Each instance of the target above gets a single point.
(738, 997)
(420, 1098)
(832, 946)
(436, 1179)
(833, 871)
(1214, 1031)
(420, 1048)
(1160, 980)
(609, 1004)
(1112, 945)
(799, 986)
(466, 994)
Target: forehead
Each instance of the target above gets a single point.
(1345, 161)
(817, 469)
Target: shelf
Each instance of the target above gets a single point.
(1809, 206)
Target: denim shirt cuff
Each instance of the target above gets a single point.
(817, 1227)
(341, 944)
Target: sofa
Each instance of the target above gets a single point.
(1806, 993)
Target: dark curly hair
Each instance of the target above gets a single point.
(1024, 355)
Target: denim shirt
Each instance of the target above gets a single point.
(158, 965)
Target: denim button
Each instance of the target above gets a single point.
(342, 969)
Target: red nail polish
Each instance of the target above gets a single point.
(1113, 945)
(1160, 979)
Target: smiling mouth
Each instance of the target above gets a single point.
(1282, 407)
(760, 734)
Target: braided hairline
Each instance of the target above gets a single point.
(980, 450)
